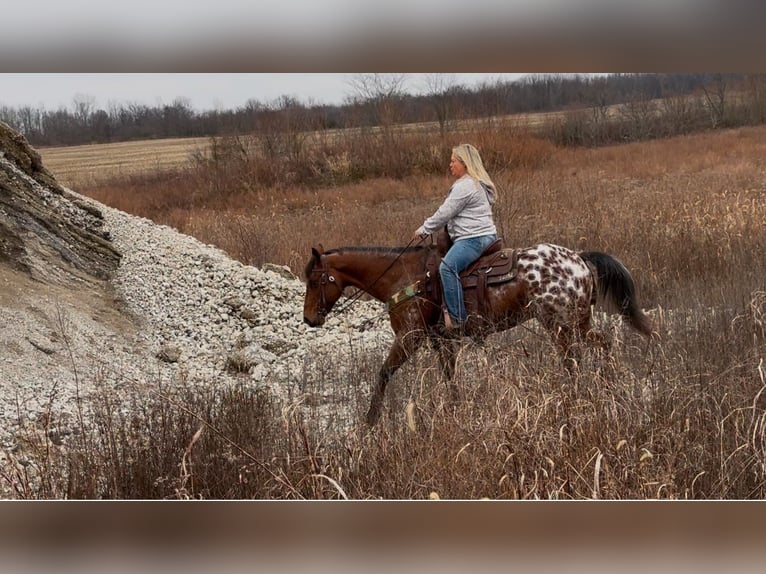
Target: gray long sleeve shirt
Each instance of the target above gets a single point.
(467, 211)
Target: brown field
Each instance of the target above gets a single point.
(680, 417)
(83, 164)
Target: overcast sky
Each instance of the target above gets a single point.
(341, 36)
(204, 91)
(161, 21)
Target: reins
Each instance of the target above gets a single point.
(356, 296)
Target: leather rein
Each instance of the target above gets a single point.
(321, 274)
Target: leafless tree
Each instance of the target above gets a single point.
(381, 92)
(639, 116)
(755, 86)
(29, 118)
(716, 99)
(283, 128)
(439, 88)
(83, 108)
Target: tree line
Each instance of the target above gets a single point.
(374, 100)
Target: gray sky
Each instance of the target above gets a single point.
(204, 91)
(141, 21)
(337, 36)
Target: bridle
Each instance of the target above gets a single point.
(320, 274)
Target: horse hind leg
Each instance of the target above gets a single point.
(571, 355)
(573, 339)
(601, 343)
(567, 337)
(590, 337)
(597, 340)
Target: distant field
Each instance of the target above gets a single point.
(80, 165)
(76, 165)
(96, 163)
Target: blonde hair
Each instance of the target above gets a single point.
(470, 157)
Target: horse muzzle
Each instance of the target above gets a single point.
(317, 321)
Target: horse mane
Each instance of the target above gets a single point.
(362, 249)
(375, 249)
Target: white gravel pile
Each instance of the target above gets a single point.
(204, 309)
(203, 318)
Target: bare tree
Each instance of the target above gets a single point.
(176, 118)
(639, 116)
(678, 114)
(755, 86)
(716, 100)
(30, 119)
(440, 88)
(381, 92)
(283, 128)
(83, 108)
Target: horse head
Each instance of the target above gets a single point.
(322, 288)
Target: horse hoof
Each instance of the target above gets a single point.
(372, 418)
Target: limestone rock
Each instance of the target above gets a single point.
(44, 230)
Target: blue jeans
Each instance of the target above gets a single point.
(462, 253)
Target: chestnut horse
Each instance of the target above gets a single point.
(550, 283)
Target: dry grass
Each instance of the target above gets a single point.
(682, 417)
(681, 213)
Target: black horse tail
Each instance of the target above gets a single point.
(615, 284)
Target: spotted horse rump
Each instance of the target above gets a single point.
(560, 284)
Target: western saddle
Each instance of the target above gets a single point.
(495, 265)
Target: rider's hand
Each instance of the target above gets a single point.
(417, 238)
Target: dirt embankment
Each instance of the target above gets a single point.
(56, 299)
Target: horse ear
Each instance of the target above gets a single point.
(317, 253)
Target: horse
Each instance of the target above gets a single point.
(550, 283)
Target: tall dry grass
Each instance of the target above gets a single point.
(685, 213)
(680, 417)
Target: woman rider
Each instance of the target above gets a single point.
(467, 213)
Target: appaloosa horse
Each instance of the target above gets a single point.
(550, 283)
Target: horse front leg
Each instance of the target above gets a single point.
(401, 350)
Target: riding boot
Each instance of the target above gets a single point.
(446, 318)
(449, 327)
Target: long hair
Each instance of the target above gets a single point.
(470, 157)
